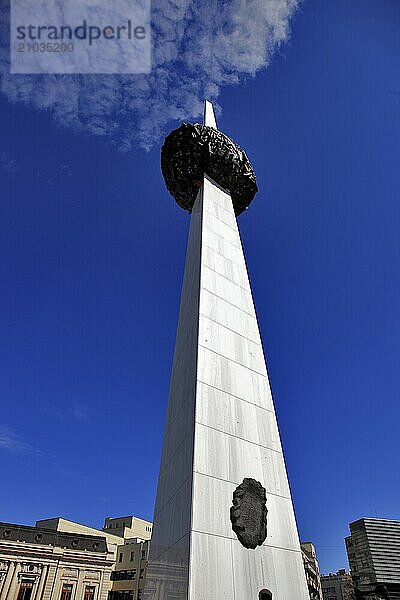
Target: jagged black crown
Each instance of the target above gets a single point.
(193, 150)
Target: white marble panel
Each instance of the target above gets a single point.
(212, 499)
(274, 472)
(225, 267)
(176, 430)
(168, 576)
(282, 529)
(176, 469)
(220, 228)
(220, 212)
(290, 575)
(230, 458)
(253, 571)
(183, 380)
(223, 247)
(227, 290)
(214, 192)
(278, 570)
(227, 413)
(230, 414)
(268, 432)
(232, 345)
(229, 316)
(189, 302)
(172, 522)
(185, 346)
(226, 457)
(262, 391)
(220, 372)
(211, 573)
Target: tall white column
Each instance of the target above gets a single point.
(12, 592)
(39, 587)
(221, 428)
(7, 581)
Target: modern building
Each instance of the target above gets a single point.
(128, 527)
(59, 559)
(373, 550)
(129, 574)
(312, 570)
(337, 586)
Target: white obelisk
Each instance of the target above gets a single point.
(221, 428)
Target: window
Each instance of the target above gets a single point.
(120, 557)
(25, 590)
(89, 593)
(123, 575)
(66, 591)
(143, 553)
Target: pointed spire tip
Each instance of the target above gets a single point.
(209, 115)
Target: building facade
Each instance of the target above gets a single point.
(337, 586)
(373, 550)
(312, 570)
(128, 527)
(129, 574)
(59, 559)
(44, 564)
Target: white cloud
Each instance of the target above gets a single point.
(198, 47)
(12, 441)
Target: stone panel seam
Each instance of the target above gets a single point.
(169, 548)
(235, 332)
(222, 237)
(183, 440)
(240, 438)
(235, 229)
(228, 259)
(234, 540)
(236, 483)
(229, 210)
(179, 409)
(236, 362)
(174, 494)
(245, 289)
(270, 410)
(203, 287)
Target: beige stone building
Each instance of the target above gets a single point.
(128, 527)
(129, 575)
(312, 570)
(59, 559)
(44, 564)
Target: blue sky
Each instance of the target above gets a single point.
(92, 253)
